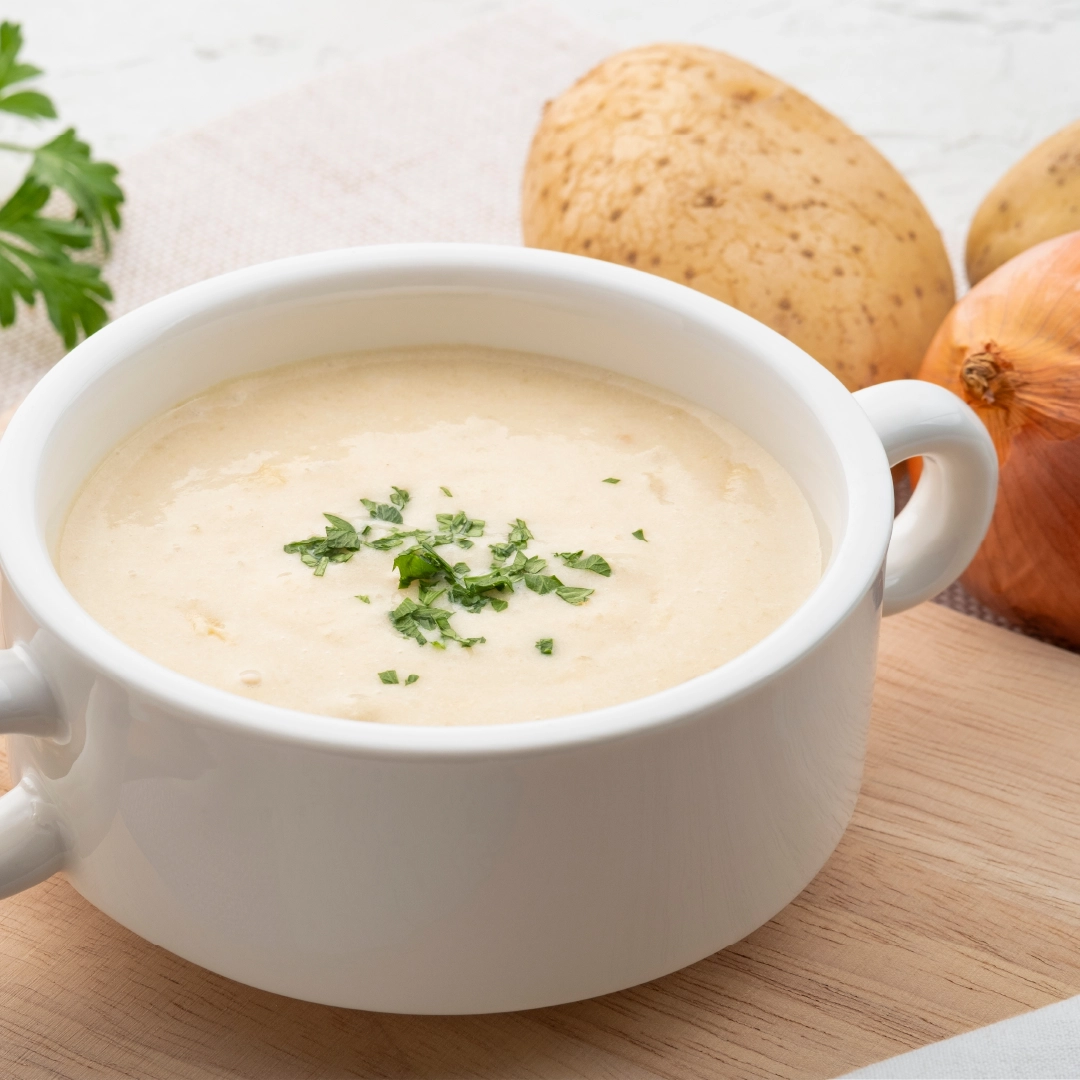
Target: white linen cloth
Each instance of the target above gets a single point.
(425, 146)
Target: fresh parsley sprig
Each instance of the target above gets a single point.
(35, 247)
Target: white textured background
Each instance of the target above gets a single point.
(952, 91)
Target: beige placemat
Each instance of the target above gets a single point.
(368, 156)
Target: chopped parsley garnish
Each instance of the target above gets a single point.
(444, 587)
(363, 599)
(446, 491)
(640, 534)
(411, 679)
(596, 563)
(612, 480)
(389, 677)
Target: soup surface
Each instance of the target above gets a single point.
(502, 468)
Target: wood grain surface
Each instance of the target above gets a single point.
(951, 902)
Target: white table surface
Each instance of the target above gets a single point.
(953, 91)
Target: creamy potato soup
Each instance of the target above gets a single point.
(440, 536)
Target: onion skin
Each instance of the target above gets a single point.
(1011, 349)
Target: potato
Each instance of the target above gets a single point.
(1036, 200)
(688, 163)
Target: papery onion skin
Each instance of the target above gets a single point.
(1011, 349)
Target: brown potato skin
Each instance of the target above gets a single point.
(687, 163)
(1036, 200)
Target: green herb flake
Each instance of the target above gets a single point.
(363, 599)
(386, 543)
(639, 534)
(573, 596)
(519, 534)
(411, 679)
(388, 677)
(414, 565)
(545, 645)
(390, 511)
(544, 583)
(446, 491)
(596, 563)
(457, 528)
(612, 480)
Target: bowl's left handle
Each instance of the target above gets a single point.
(33, 845)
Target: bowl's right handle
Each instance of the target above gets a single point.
(32, 835)
(937, 534)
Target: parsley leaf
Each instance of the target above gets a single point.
(411, 679)
(339, 545)
(412, 565)
(30, 104)
(341, 534)
(446, 491)
(363, 599)
(519, 534)
(543, 584)
(383, 511)
(389, 677)
(573, 596)
(386, 543)
(611, 480)
(545, 645)
(65, 163)
(35, 249)
(35, 259)
(640, 534)
(457, 528)
(596, 563)
(502, 551)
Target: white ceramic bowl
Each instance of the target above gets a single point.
(421, 869)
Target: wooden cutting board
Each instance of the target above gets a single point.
(952, 901)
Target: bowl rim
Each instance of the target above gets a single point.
(29, 571)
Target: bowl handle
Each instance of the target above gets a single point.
(937, 534)
(32, 836)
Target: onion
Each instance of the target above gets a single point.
(1011, 349)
